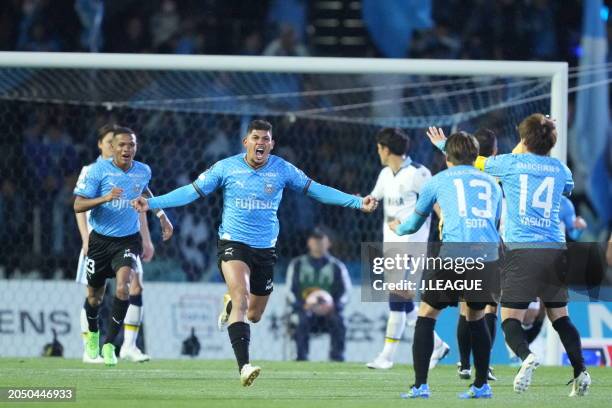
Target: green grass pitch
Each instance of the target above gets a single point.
(184, 383)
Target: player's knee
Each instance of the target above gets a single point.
(254, 316)
(122, 291)
(135, 288)
(95, 300)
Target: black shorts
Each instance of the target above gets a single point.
(534, 272)
(106, 255)
(476, 297)
(259, 260)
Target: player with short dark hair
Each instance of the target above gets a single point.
(253, 185)
(133, 319)
(471, 204)
(114, 245)
(534, 183)
(398, 186)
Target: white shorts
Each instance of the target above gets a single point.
(81, 276)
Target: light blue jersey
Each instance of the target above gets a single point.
(533, 186)
(115, 218)
(251, 197)
(470, 202)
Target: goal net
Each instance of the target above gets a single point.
(196, 113)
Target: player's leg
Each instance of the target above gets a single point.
(133, 319)
(558, 315)
(237, 278)
(117, 315)
(534, 320)
(491, 322)
(512, 316)
(95, 295)
(480, 340)
(464, 344)
(422, 348)
(396, 322)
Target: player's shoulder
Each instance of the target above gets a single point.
(419, 169)
(141, 166)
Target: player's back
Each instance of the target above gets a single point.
(470, 202)
(534, 186)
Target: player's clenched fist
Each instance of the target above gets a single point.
(114, 194)
(140, 204)
(394, 224)
(369, 204)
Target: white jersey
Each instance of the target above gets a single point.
(400, 192)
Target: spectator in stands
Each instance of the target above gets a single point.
(286, 45)
(252, 44)
(164, 24)
(135, 39)
(319, 289)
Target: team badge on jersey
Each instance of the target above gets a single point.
(269, 188)
(137, 188)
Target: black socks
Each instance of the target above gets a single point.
(481, 345)
(515, 338)
(464, 342)
(115, 320)
(240, 337)
(571, 341)
(422, 348)
(92, 316)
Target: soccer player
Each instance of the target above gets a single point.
(114, 244)
(534, 183)
(133, 318)
(252, 185)
(399, 184)
(487, 142)
(470, 202)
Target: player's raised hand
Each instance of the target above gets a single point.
(394, 224)
(369, 204)
(436, 135)
(166, 226)
(114, 194)
(140, 204)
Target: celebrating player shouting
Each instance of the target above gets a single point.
(253, 185)
(534, 183)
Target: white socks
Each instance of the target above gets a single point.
(131, 325)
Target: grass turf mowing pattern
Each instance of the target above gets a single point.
(189, 383)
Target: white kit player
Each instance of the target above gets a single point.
(398, 186)
(133, 318)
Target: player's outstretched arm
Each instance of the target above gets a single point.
(329, 195)
(82, 204)
(176, 198)
(437, 137)
(166, 226)
(410, 226)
